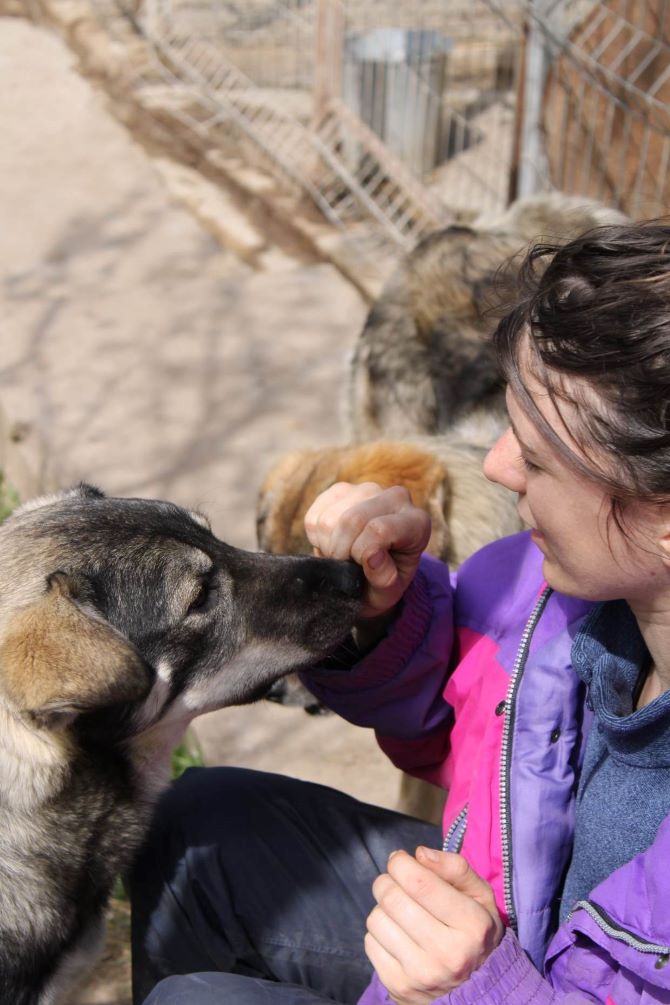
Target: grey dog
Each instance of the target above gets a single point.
(424, 360)
(120, 620)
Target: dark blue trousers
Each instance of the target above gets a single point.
(254, 888)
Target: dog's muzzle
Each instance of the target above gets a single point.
(325, 577)
(344, 578)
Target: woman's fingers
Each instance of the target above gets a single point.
(401, 924)
(426, 933)
(389, 549)
(393, 976)
(430, 957)
(457, 871)
(324, 517)
(372, 519)
(380, 529)
(447, 893)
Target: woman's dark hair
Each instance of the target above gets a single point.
(598, 309)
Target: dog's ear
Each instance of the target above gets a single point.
(284, 497)
(59, 659)
(86, 491)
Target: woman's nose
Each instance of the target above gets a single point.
(504, 464)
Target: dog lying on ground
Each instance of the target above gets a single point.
(424, 360)
(120, 620)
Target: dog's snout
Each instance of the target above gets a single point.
(332, 578)
(351, 580)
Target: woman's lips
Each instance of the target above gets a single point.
(535, 534)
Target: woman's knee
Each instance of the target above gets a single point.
(214, 988)
(195, 797)
(205, 811)
(206, 806)
(190, 989)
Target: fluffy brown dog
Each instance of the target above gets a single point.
(443, 476)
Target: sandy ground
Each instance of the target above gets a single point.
(154, 362)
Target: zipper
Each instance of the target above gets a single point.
(610, 927)
(506, 753)
(453, 839)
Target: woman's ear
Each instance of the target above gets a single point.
(58, 659)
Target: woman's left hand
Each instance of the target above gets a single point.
(435, 922)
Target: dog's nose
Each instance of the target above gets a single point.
(328, 577)
(351, 579)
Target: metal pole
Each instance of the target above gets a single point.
(329, 44)
(533, 167)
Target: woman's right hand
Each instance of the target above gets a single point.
(381, 529)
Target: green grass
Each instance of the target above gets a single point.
(187, 755)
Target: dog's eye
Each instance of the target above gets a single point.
(200, 598)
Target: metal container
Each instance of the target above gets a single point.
(393, 78)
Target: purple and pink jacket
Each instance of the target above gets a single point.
(473, 690)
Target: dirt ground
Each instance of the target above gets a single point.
(155, 362)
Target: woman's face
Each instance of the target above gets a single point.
(586, 554)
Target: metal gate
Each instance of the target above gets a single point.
(394, 119)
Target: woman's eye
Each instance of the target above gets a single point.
(528, 465)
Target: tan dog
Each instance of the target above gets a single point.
(444, 477)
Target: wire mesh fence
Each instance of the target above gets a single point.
(607, 103)
(394, 119)
(365, 106)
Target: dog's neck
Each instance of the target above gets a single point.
(159, 725)
(33, 762)
(151, 748)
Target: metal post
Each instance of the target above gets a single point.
(533, 166)
(329, 47)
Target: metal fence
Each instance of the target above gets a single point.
(366, 107)
(606, 101)
(394, 119)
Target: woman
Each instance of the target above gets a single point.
(535, 689)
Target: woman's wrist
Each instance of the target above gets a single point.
(369, 632)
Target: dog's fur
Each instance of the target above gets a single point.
(120, 620)
(442, 473)
(424, 358)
